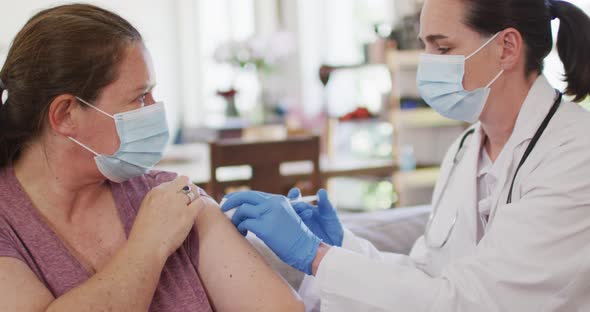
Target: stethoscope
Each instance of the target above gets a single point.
(458, 157)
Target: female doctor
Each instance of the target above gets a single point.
(510, 224)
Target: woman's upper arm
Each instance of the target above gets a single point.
(234, 274)
(20, 289)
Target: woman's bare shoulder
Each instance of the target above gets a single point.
(228, 263)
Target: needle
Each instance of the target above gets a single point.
(304, 199)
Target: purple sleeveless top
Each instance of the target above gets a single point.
(26, 237)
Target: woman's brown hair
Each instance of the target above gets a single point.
(70, 49)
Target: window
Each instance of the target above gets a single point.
(204, 25)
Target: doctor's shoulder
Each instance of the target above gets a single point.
(572, 126)
(561, 161)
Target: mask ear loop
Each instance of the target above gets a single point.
(100, 111)
(479, 49)
(495, 78)
(96, 108)
(483, 46)
(84, 146)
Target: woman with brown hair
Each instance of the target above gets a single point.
(84, 224)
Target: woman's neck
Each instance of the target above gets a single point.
(501, 112)
(56, 183)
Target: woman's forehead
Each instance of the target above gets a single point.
(442, 17)
(137, 65)
(135, 70)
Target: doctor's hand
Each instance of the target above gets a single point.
(274, 221)
(322, 219)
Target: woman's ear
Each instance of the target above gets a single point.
(512, 48)
(62, 114)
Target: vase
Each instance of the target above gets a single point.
(230, 100)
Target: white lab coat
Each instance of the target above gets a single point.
(534, 255)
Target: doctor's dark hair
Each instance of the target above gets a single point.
(532, 18)
(70, 49)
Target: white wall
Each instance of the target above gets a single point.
(155, 19)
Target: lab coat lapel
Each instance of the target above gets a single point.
(459, 199)
(466, 187)
(444, 176)
(534, 109)
(448, 166)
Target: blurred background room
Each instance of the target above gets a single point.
(270, 94)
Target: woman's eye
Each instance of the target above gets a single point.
(442, 50)
(141, 99)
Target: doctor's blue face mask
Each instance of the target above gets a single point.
(143, 134)
(440, 83)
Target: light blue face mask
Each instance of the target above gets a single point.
(440, 83)
(143, 134)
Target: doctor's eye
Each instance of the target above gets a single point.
(443, 50)
(141, 99)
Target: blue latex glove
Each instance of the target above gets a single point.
(274, 221)
(322, 219)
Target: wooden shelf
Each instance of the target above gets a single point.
(415, 187)
(419, 178)
(422, 118)
(403, 59)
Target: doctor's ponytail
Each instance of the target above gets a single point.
(573, 46)
(532, 18)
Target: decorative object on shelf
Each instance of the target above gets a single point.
(375, 52)
(406, 32)
(407, 158)
(363, 194)
(368, 138)
(230, 99)
(410, 102)
(360, 113)
(261, 55)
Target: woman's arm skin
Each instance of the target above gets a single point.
(20, 289)
(233, 272)
(128, 281)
